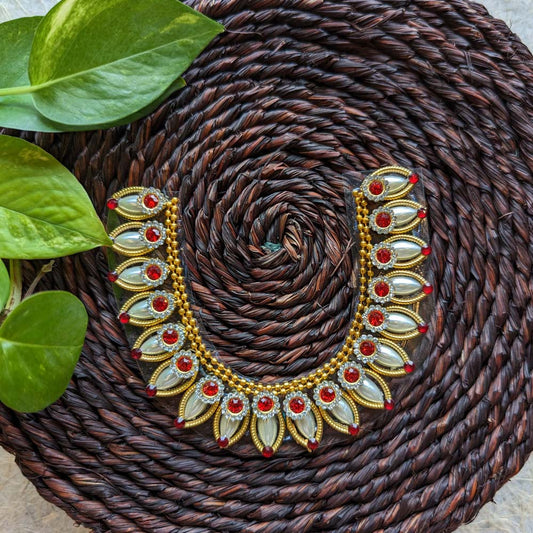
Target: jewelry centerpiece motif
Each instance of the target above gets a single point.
(386, 317)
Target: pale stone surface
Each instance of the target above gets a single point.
(22, 510)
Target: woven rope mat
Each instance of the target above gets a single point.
(295, 97)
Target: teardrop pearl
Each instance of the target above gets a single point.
(400, 323)
(267, 429)
(405, 285)
(140, 310)
(395, 181)
(131, 241)
(404, 214)
(228, 427)
(151, 346)
(307, 425)
(343, 412)
(130, 205)
(194, 407)
(406, 250)
(133, 275)
(167, 379)
(370, 391)
(389, 357)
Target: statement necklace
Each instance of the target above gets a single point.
(386, 317)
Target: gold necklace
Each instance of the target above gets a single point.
(386, 315)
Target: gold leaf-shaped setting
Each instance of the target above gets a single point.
(409, 287)
(168, 382)
(344, 417)
(267, 433)
(392, 360)
(228, 431)
(402, 323)
(159, 343)
(138, 238)
(307, 430)
(139, 274)
(409, 250)
(407, 215)
(147, 308)
(400, 181)
(372, 393)
(192, 410)
(137, 203)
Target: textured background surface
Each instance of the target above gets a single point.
(22, 509)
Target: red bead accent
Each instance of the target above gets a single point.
(160, 304)
(409, 366)
(375, 318)
(180, 422)
(151, 390)
(353, 429)
(265, 404)
(112, 276)
(150, 201)
(367, 347)
(297, 405)
(327, 394)
(235, 405)
(124, 318)
(154, 272)
(423, 328)
(427, 288)
(112, 203)
(170, 336)
(136, 353)
(351, 374)
(381, 288)
(383, 255)
(413, 178)
(152, 234)
(312, 444)
(383, 220)
(223, 441)
(210, 388)
(389, 404)
(267, 452)
(184, 363)
(422, 213)
(376, 187)
(426, 250)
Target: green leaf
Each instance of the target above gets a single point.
(44, 211)
(5, 285)
(98, 62)
(40, 343)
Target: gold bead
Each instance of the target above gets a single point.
(194, 346)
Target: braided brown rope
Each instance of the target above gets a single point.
(295, 97)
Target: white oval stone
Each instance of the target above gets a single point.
(228, 427)
(267, 429)
(194, 407)
(400, 323)
(151, 346)
(140, 310)
(370, 391)
(389, 357)
(343, 412)
(406, 250)
(396, 182)
(133, 275)
(129, 205)
(131, 240)
(307, 425)
(167, 379)
(405, 285)
(404, 214)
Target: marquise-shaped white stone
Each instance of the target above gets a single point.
(405, 285)
(267, 429)
(131, 240)
(130, 205)
(404, 214)
(396, 182)
(369, 390)
(228, 427)
(343, 412)
(307, 425)
(140, 310)
(389, 357)
(167, 379)
(406, 250)
(151, 346)
(194, 407)
(133, 275)
(400, 323)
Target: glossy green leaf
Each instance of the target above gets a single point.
(44, 211)
(98, 62)
(5, 285)
(40, 343)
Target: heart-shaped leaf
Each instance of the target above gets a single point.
(40, 343)
(98, 62)
(44, 211)
(5, 285)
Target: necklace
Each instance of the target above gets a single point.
(386, 317)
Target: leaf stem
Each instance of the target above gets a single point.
(9, 91)
(15, 293)
(44, 270)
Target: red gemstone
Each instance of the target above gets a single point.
(136, 353)
(150, 201)
(180, 422)
(112, 276)
(426, 250)
(112, 203)
(210, 388)
(151, 390)
(170, 336)
(184, 363)
(154, 272)
(235, 405)
(375, 318)
(297, 405)
(422, 213)
(152, 234)
(353, 429)
(389, 404)
(423, 328)
(223, 441)
(267, 452)
(376, 187)
(427, 288)
(383, 255)
(312, 444)
(413, 178)
(327, 394)
(409, 366)
(160, 304)
(367, 348)
(124, 318)
(383, 220)
(381, 288)
(351, 374)
(265, 404)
